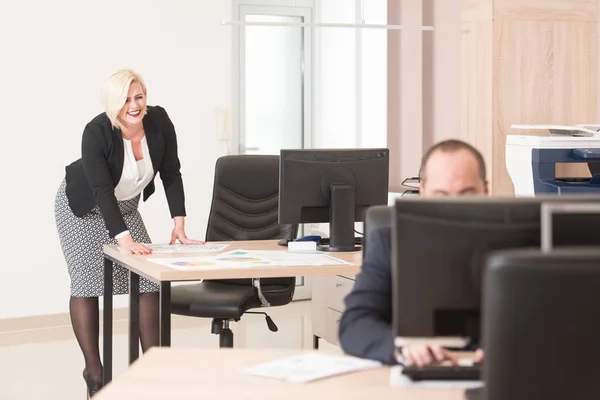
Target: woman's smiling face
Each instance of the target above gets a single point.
(134, 109)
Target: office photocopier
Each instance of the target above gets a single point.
(531, 159)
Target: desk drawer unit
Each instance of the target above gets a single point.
(332, 325)
(328, 305)
(337, 288)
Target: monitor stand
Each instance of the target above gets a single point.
(341, 219)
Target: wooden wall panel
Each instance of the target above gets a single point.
(549, 78)
(476, 93)
(543, 68)
(476, 10)
(546, 10)
(522, 85)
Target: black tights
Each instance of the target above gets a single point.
(85, 318)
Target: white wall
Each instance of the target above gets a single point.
(55, 56)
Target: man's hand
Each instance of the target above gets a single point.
(134, 248)
(422, 354)
(479, 356)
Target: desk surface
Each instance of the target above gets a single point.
(178, 374)
(141, 266)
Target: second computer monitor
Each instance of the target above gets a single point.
(334, 186)
(439, 247)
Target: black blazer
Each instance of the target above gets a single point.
(92, 179)
(366, 324)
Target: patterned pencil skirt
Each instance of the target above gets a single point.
(82, 239)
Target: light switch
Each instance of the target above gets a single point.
(224, 124)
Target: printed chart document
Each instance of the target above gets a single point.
(309, 367)
(185, 248)
(249, 259)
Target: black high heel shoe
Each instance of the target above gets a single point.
(92, 386)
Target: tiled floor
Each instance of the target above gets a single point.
(46, 364)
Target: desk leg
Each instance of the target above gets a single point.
(165, 314)
(134, 316)
(107, 332)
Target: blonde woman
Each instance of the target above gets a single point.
(122, 150)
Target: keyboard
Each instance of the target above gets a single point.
(475, 394)
(435, 372)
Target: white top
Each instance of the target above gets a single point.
(550, 142)
(136, 174)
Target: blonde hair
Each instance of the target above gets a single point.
(115, 90)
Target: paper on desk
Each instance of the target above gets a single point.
(399, 380)
(187, 248)
(249, 259)
(184, 248)
(309, 367)
(285, 258)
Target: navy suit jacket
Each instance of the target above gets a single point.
(366, 324)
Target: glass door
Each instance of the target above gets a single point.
(274, 86)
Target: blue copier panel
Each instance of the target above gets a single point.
(543, 162)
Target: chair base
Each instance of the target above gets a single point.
(226, 338)
(221, 327)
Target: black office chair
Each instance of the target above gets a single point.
(540, 325)
(376, 217)
(244, 207)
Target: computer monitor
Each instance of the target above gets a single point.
(439, 247)
(332, 185)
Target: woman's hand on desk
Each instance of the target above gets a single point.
(179, 233)
(133, 247)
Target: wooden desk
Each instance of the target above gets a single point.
(140, 266)
(178, 374)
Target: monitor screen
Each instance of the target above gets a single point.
(439, 248)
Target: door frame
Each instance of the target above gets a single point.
(301, 8)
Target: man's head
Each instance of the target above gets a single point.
(453, 168)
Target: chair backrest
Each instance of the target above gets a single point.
(245, 204)
(246, 200)
(540, 324)
(376, 217)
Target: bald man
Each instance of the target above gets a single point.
(450, 168)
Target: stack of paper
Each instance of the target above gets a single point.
(309, 367)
